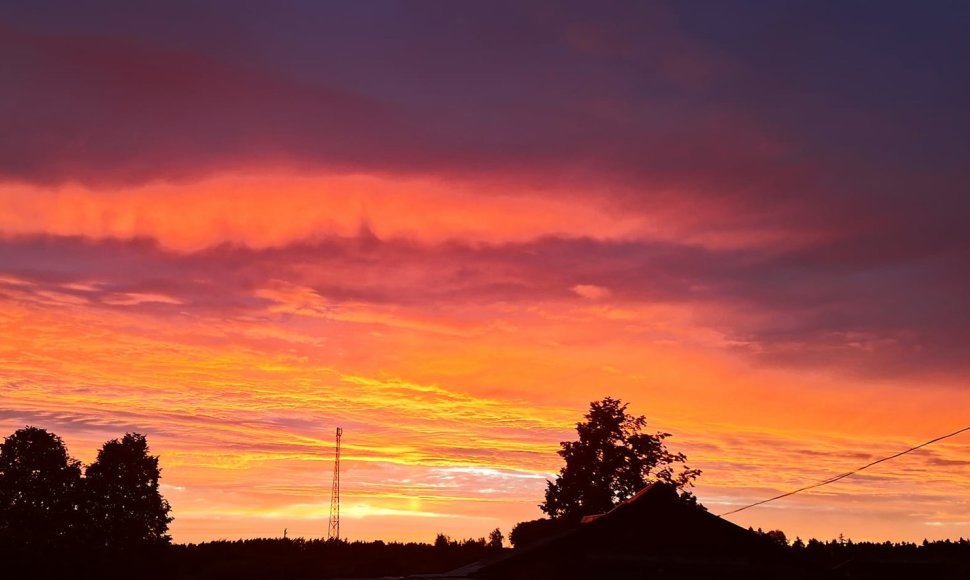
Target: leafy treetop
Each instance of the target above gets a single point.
(612, 460)
(124, 502)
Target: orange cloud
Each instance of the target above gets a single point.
(450, 425)
(265, 209)
(448, 235)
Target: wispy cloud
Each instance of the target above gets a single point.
(447, 233)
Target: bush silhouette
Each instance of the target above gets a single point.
(528, 533)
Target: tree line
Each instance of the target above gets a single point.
(305, 559)
(52, 507)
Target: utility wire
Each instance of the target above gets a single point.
(846, 474)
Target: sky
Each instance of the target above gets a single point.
(447, 227)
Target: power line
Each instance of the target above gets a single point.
(848, 473)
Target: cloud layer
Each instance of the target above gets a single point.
(448, 227)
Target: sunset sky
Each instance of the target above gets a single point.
(447, 227)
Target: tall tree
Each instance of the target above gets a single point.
(123, 501)
(39, 491)
(612, 460)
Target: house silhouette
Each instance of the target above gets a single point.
(654, 534)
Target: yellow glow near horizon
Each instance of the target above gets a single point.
(453, 407)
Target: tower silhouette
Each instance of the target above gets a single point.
(333, 533)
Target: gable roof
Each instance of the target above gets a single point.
(654, 534)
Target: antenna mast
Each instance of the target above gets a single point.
(334, 532)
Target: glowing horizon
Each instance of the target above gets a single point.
(234, 243)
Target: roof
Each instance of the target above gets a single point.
(652, 535)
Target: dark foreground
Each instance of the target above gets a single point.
(299, 559)
(246, 559)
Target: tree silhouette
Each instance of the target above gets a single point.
(776, 536)
(123, 503)
(495, 539)
(39, 491)
(612, 460)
